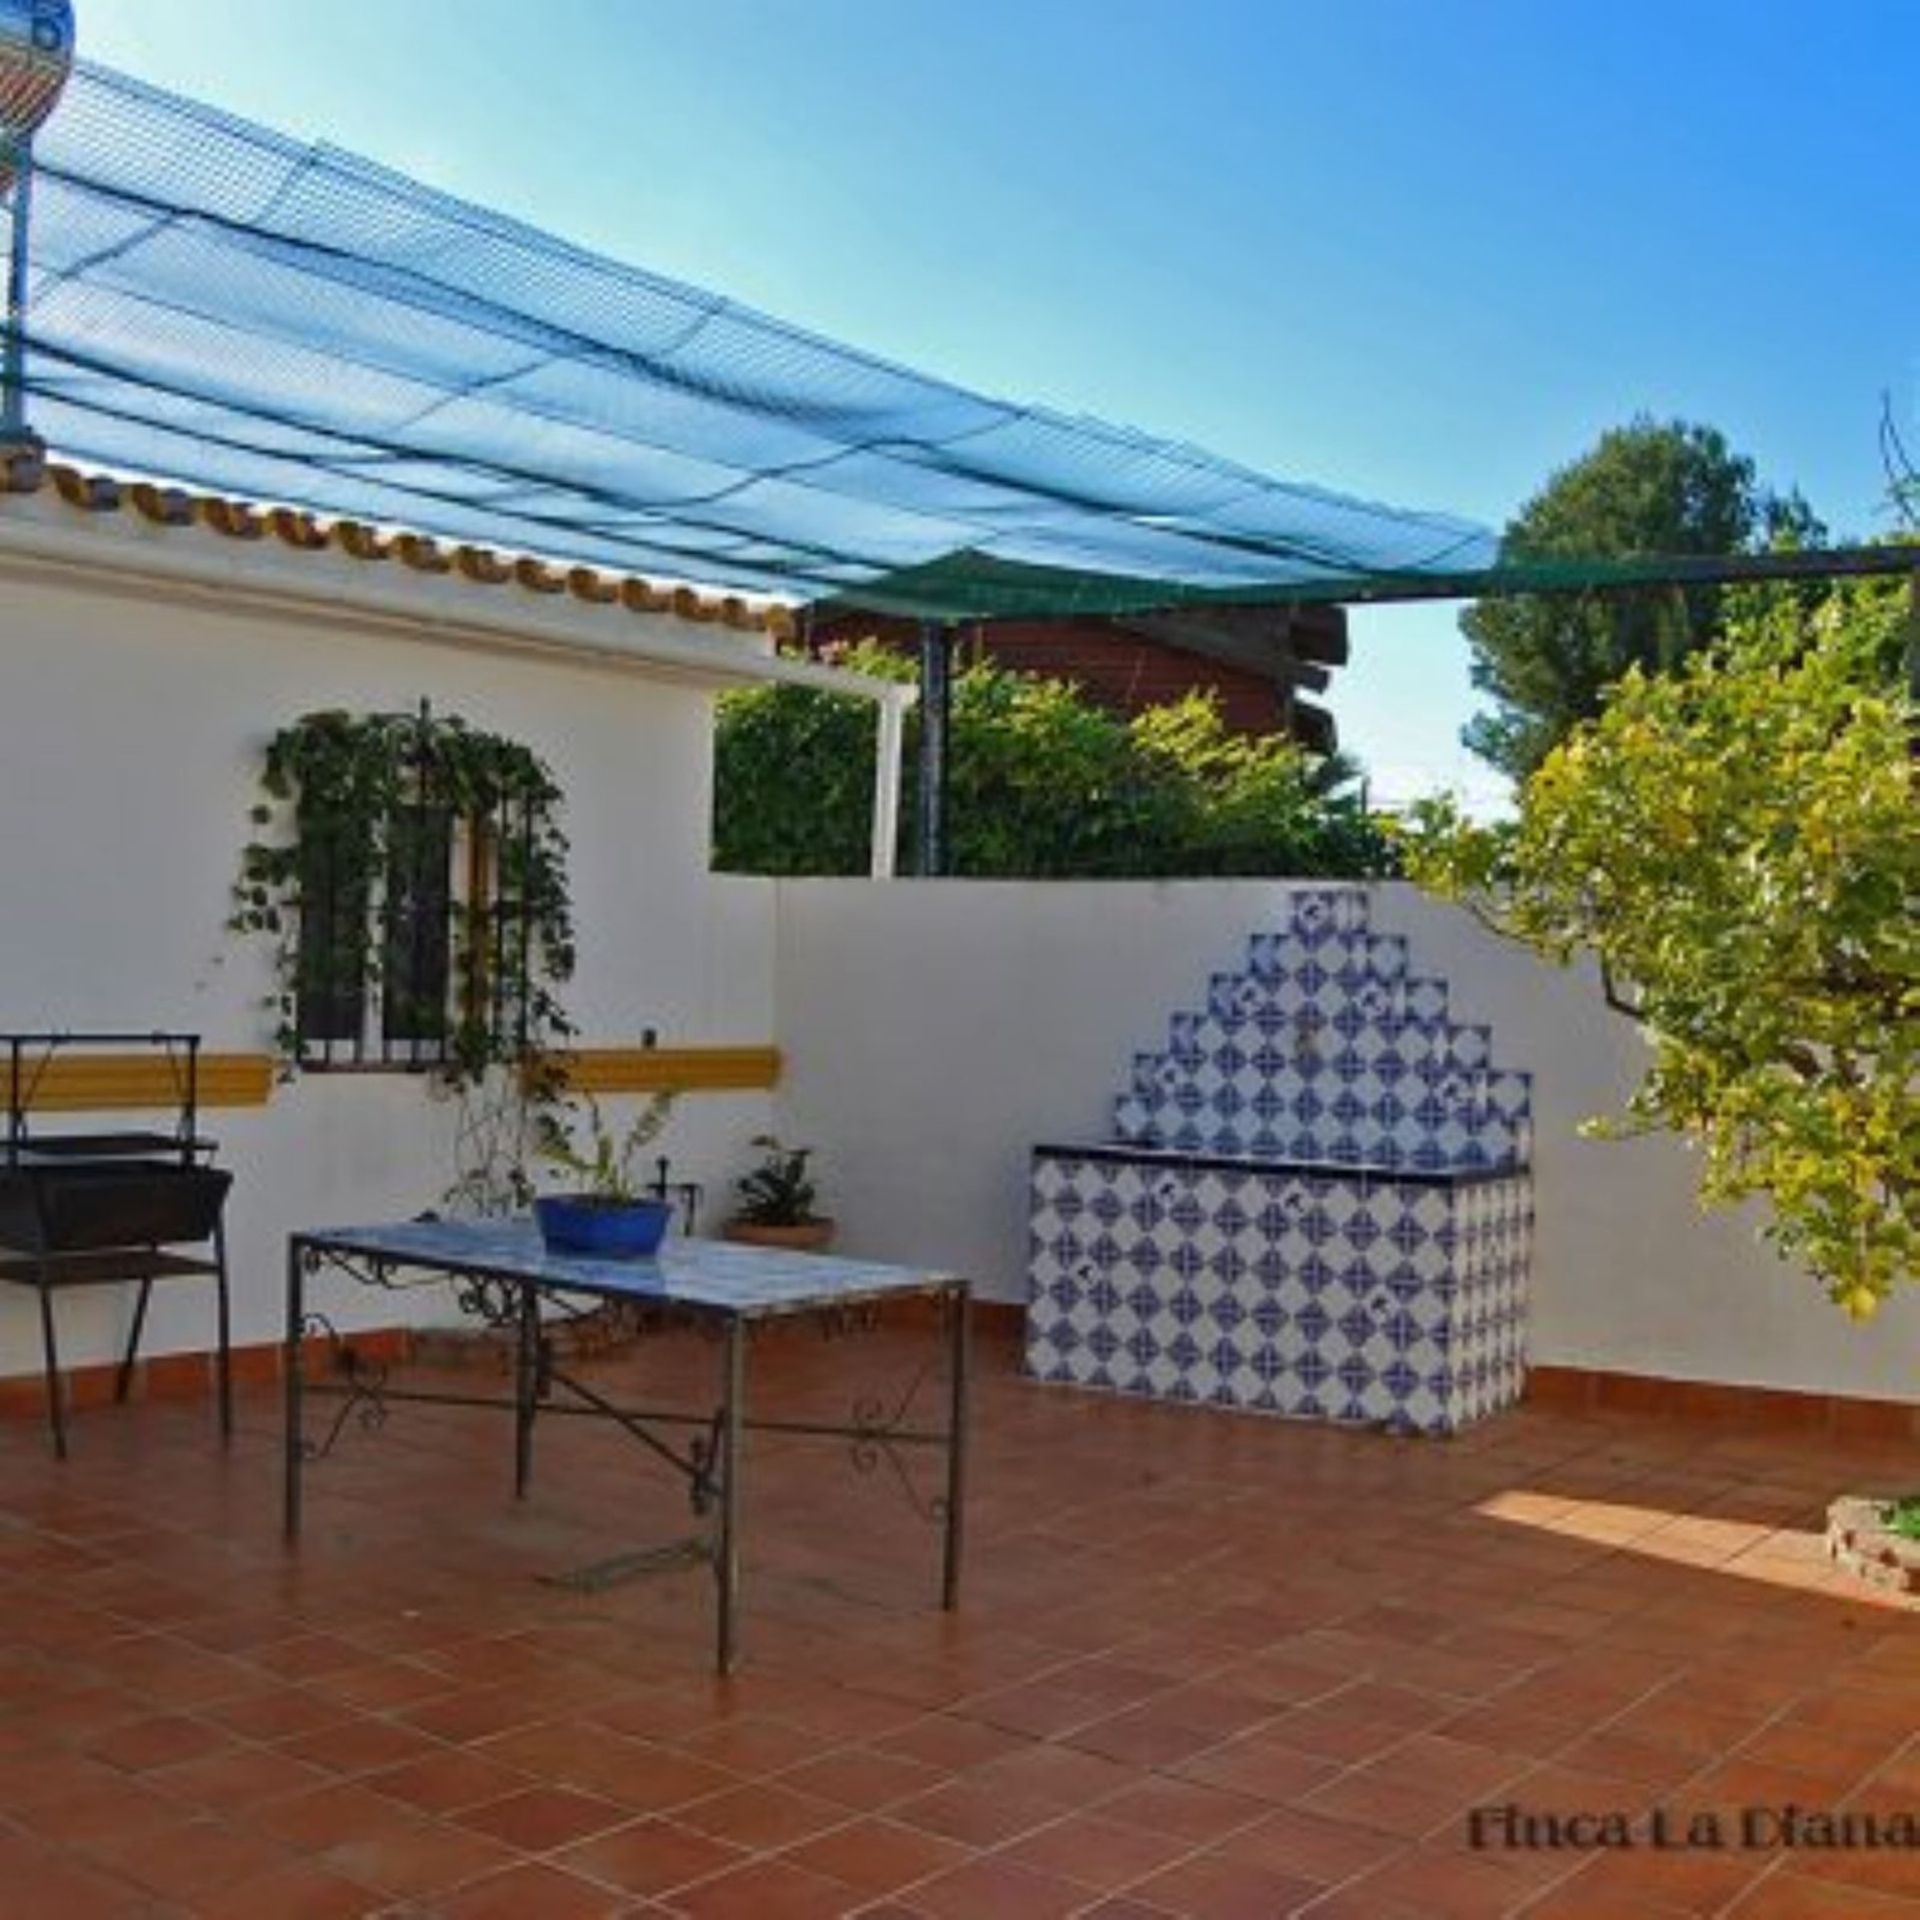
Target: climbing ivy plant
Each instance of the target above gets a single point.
(354, 785)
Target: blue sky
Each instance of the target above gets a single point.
(1420, 252)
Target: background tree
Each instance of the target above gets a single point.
(1736, 841)
(1042, 783)
(1647, 488)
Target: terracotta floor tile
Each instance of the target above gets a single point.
(301, 1891)
(1310, 1846)
(976, 1816)
(40, 1884)
(426, 1859)
(323, 1817)
(1182, 1808)
(863, 1778)
(766, 1890)
(763, 1816)
(278, 1713)
(234, 1777)
(364, 1744)
(1263, 1769)
(1378, 1797)
(1790, 1895)
(102, 1811)
(533, 1891)
(1143, 1737)
(1562, 1609)
(1057, 1776)
(949, 1742)
(752, 1746)
(650, 1857)
(446, 1781)
(1448, 1885)
(1212, 1886)
(538, 1819)
(876, 1856)
(160, 1740)
(194, 1857)
(1704, 1880)
(999, 1888)
(1096, 1853)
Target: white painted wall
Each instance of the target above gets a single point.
(935, 1031)
(130, 737)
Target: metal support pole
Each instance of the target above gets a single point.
(1913, 636)
(13, 374)
(890, 721)
(936, 711)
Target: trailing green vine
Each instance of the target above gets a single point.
(356, 789)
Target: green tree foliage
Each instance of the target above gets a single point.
(1737, 843)
(1648, 488)
(1043, 783)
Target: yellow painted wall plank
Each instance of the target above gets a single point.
(140, 1082)
(750, 1069)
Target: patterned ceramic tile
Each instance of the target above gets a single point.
(1319, 1205)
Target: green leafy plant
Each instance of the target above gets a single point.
(350, 785)
(1651, 487)
(576, 1135)
(1735, 841)
(1043, 783)
(1904, 1517)
(780, 1191)
(348, 789)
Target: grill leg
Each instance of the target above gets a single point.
(123, 1379)
(50, 1356)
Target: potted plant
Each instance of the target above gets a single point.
(611, 1216)
(776, 1201)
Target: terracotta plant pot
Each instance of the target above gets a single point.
(804, 1236)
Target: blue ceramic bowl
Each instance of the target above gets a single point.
(598, 1230)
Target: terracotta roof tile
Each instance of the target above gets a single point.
(28, 472)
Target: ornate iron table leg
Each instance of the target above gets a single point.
(726, 1561)
(525, 1390)
(291, 1362)
(959, 1365)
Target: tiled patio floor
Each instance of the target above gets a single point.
(1206, 1665)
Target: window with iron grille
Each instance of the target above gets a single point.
(428, 888)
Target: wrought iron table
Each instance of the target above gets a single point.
(502, 1274)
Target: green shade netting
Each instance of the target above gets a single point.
(217, 304)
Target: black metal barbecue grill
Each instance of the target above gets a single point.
(98, 1208)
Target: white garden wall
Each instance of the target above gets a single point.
(130, 737)
(935, 1031)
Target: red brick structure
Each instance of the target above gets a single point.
(1257, 659)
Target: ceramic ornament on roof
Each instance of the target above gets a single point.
(36, 56)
